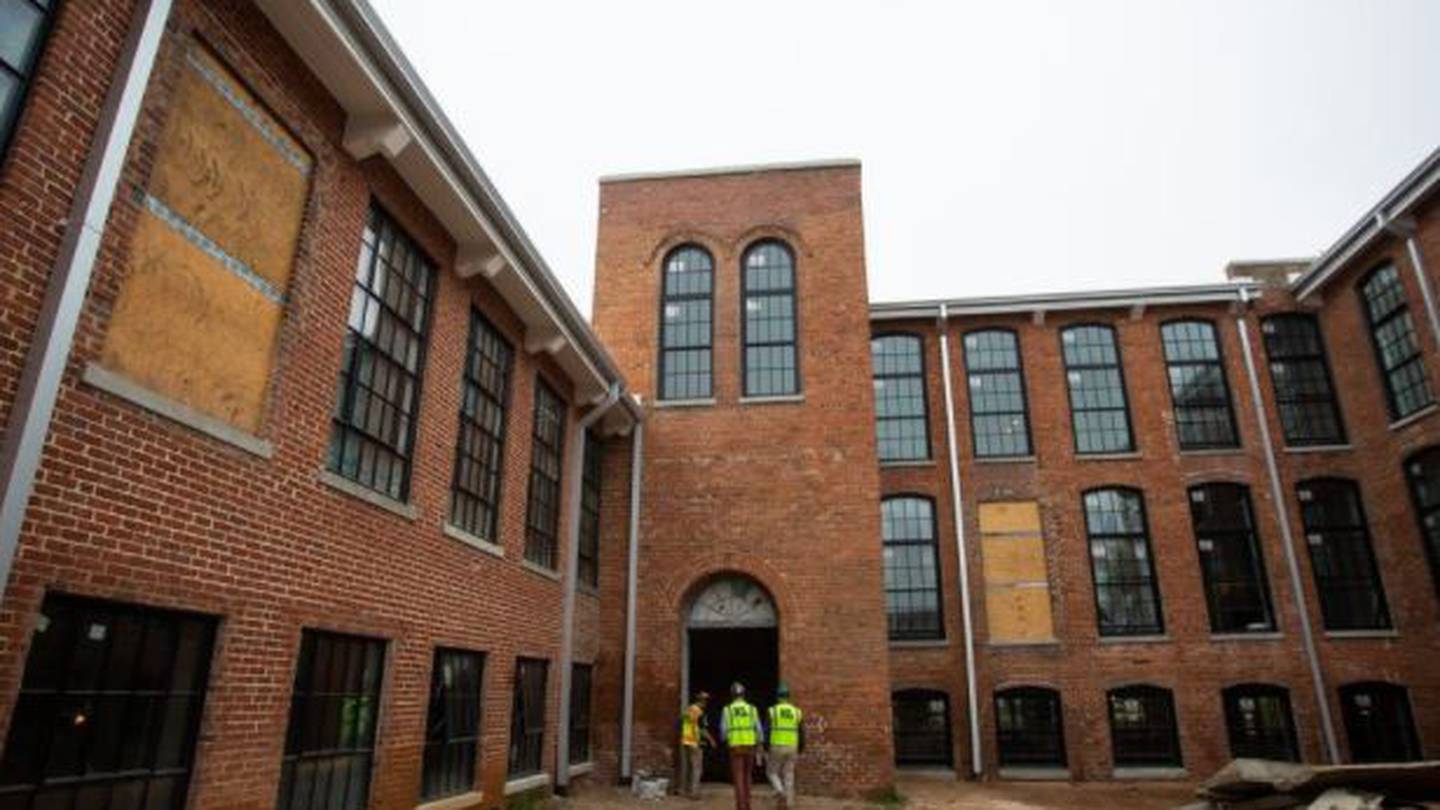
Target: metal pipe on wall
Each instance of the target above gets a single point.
(627, 711)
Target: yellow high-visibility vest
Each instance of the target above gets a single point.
(741, 720)
(785, 718)
(690, 726)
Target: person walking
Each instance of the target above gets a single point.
(787, 740)
(741, 727)
(694, 732)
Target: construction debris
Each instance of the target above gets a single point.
(1259, 784)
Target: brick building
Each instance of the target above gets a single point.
(318, 491)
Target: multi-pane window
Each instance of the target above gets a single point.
(1379, 723)
(108, 709)
(452, 725)
(589, 552)
(547, 446)
(1235, 584)
(480, 456)
(999, 423)
(768, 294)
(1029, 729)
(1198, 387)
(1099, 411)
(1300, 373)
(1397, 347)
(581, 676)
(920, 719)
(686, 324)
(24, 25)
(373, 428)
(1423, 473)
(902, 424)
(527, 718)
(1127, 597)
(1346, 576)
(1257, 717)
(1143, 730)
(330, 746)
(912, 568)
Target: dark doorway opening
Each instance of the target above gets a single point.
(720, 657)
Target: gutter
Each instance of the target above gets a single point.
(1063, 301)
(54, 334)
(627, 712)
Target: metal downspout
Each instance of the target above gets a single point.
(627, 712)
(1407, 228)
(1287, 536)
(972, 700)
(70, 279)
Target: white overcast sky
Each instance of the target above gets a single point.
(1008, 146)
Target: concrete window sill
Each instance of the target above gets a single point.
(902, 464)
(354, 490)
(684, 403)
(525, 783)
(464, 801)
(1361, 634)
(1036, 774)
(1039, 643)
(474, 541)
(540, 570)
(581, 769)
(927, 772)
(1269, 635)
(1108, 640)
(1406, 421)
(118, 385)
(1149, 774)
(1213, 451)
(1319, 448)
(1108, 456)
(778, 399)
(1004, 459)
(919, 643)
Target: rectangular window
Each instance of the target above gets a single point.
(1397, 347)
(902, 424)
(480, 455)
(999, 423)
(379, 390)
(580, 682)
(527, 718)
(1346, 576)
(547, 446)
(771, 364)
(1029, 728)
(1143, 730)
(686, 325)
(109, 707)
(24, 27)
(330, 746)
(452, 725)
(1199, 389)
(1300, 373)
(920, 722)
(589, 563)
(1235, 586)
(1127, 597)
(912, 569)
(1099, 410)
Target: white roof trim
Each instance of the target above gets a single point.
(744, 168)
(1066, 301)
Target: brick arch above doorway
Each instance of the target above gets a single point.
(731, 600)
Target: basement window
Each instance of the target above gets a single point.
(1236, 591)
(920, 719)
(452, 725)
(1099, 411)
(1397, 348)
(1300, 374)
(1379, 723)
(1341, 556)
(588, 564)
(581, 676)
(527, 718)
(999, 423)
(1258, 719)
(547, 445)
(1143, 730)
(1199, 389)
(1029, 730)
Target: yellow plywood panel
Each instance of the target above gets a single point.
(229, 169)
(1019, 614)
(1013, 559)
(191, 330)
(1010, 516)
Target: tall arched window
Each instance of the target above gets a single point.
(1379, 723)
(999, 422)
(902, 421)
(1235, 587)
(1029, 729)
(1127, 598)
(1199, 389)
(1423, 473)
(1099, 410)
(1258, 719)
(686, 324)
(920, 719)
(1341, 557)
(1143, 730)
(1397, 347)
(912, 568)
(770, 360)
(1300, 374)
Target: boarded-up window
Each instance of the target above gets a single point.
(1017, 589)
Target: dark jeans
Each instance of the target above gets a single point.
(742, 763)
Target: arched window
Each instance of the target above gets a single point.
(1029, 728)
(1199, 389)
(1338, 537)
(686, 329)
(1258, 719)
(1099, 410)
(770, 362)
(1127, 598)
(1397, 347)
(1378, 722)
(1235, 587)
(1300, 373)
(1143, 730)
(999, 422)
(1423, 473)
(902, 421)
(921, 722)
(912, 568)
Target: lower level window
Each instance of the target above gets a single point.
(330, 746)
(921, 720)
(580, 679)
(1378, 723)
(1143, 729)
(1259, 722)
(452, 727)
(108, 708)
(527, 717)
(1028, 727)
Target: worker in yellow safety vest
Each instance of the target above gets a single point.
(787, 740)
(693, 732)
(741, 727)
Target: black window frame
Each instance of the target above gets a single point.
(682, 299)
(1017, 371)
(1154, 743)
(582, 693)
(1168, 341)
(1398, 314)
(1426, 504)
(934, 738)
(1318, 537)
(879, 380)
(452, 725)
(25, 74)
(542, 500)
(591, 472)
(398, 446)
(1157, 628)
(1042, 747)
(1118, 367)
(1398, 732)
(526, 755)
(793, 291)
(934, 629)
(478, 481)
(1297, 410)
(1218, 583)
(1262, 739)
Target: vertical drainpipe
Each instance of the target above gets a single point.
(1405, 227)
(70, 279)
(572, 575)
(1287, 536)
(627, 711)
(972, 700)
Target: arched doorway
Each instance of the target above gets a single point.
(731, 634)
